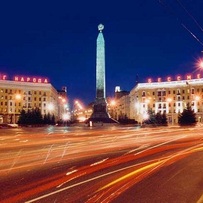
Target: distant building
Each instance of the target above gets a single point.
(80, 112)
(121, 107)
(63, 105)
(120, 93)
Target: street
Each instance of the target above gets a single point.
(101, 164)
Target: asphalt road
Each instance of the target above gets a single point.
(101, 164)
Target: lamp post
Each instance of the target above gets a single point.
(197, 99)
(17, 98)
(113, 104)
(170, 101)
(50, 107)
(145, 116)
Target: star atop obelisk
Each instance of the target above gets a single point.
(100, 27)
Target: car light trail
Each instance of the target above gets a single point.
(120, 160)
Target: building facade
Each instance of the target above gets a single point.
(170, 97)
(27, 93)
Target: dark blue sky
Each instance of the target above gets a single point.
(57, 39)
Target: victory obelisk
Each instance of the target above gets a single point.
(100, 113)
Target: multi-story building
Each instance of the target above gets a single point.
(170, 97)
(26, 93)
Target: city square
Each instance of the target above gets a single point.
(101, 102)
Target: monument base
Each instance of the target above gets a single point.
(100, 113)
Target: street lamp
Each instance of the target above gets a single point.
(50, 107)
(199, 64)
(170, 101)
(112, 105)
(145, 116)
(17, 98)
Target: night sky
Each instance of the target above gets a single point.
(57, 39)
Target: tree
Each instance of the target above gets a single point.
(31, 117)
(53, 120)
(22, 117)
(152, 118)
(164, 120)
(156, 119)
(187, 117)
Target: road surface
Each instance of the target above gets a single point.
(101, 164)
